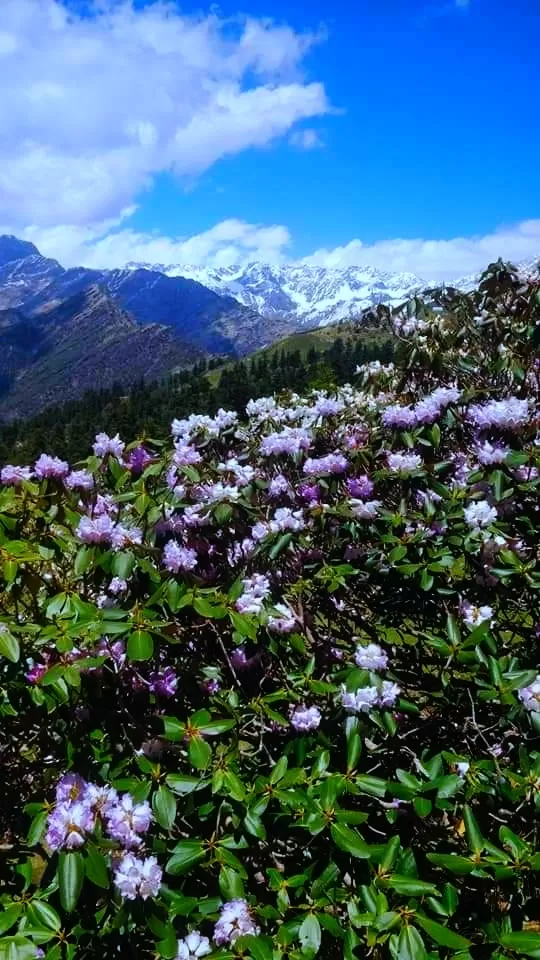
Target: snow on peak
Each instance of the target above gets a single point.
(301, 292)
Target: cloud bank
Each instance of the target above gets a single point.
(94, 107)
(234, 241)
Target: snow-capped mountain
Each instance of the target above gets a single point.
(306, 295)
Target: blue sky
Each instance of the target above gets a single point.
(437, 137)
(398, 133)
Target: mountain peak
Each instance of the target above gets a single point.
(11, 248)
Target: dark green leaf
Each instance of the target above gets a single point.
(70, 876)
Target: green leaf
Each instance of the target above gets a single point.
(310, 935)
(140, 645)
(174, 730)
(164, 807)
(70, 876)
(122, 565)
(474, 837)
(254, 825)
(411, 887)
(215, 727)
(42, 914)
(36, 828)
(354, 742)
(259, 948)
(200, 753)
(9, 645)
(390, 854)
(185, 855)
(230, 884)
(523, 942)
(9, 917)
(83, 560)
(279, 770)
(441, 934)
(350, 841)
(422, 806)
(452, 862)
(182, 784)
(207, 609)
(280, 546)
(96, 867)
(410, 945)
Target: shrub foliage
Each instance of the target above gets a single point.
(269, 689)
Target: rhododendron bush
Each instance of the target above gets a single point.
(269, 688)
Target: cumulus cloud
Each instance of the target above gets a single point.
(233, 241)
(94, 107)
(438, 259)
(101, 246)
(307, 139)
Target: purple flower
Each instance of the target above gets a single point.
(79, 480)
(13, 476)
(371, 657)
(126, 820)
(68, 825)
(138, 878)
(193, 946)
(177, 557)
(290, 440)
(360, 700)
(185, 455)
(279, 486)
(46, 466)
(105, 444)
(473, 616)
(367, 510)
(361, 487)
(488, 453)
(286, 519)
(97, 530)
(117, 586)
(305, 719)
(400, 417)
(116, 651)
(164, 682)
(479, 514)
(285, 622)
(138, 459)
(256, 589)
(332, 463)
(234, 921)
(509, 414)
(403, 463)
(70, 787)
(125, 536)
(388, 694)
(310, 492)
(530, 696)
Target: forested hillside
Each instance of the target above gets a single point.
(314, 359)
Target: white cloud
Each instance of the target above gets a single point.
(438, 259)
(93, 107)
(113, 244)
(307, 139)
(101, 245)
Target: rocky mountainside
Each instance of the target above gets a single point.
(304, 295)
(85, 342)
(212, 321)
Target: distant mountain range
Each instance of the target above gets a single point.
(306, 296)
(63, 330)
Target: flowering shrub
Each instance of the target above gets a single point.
(270, 689)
